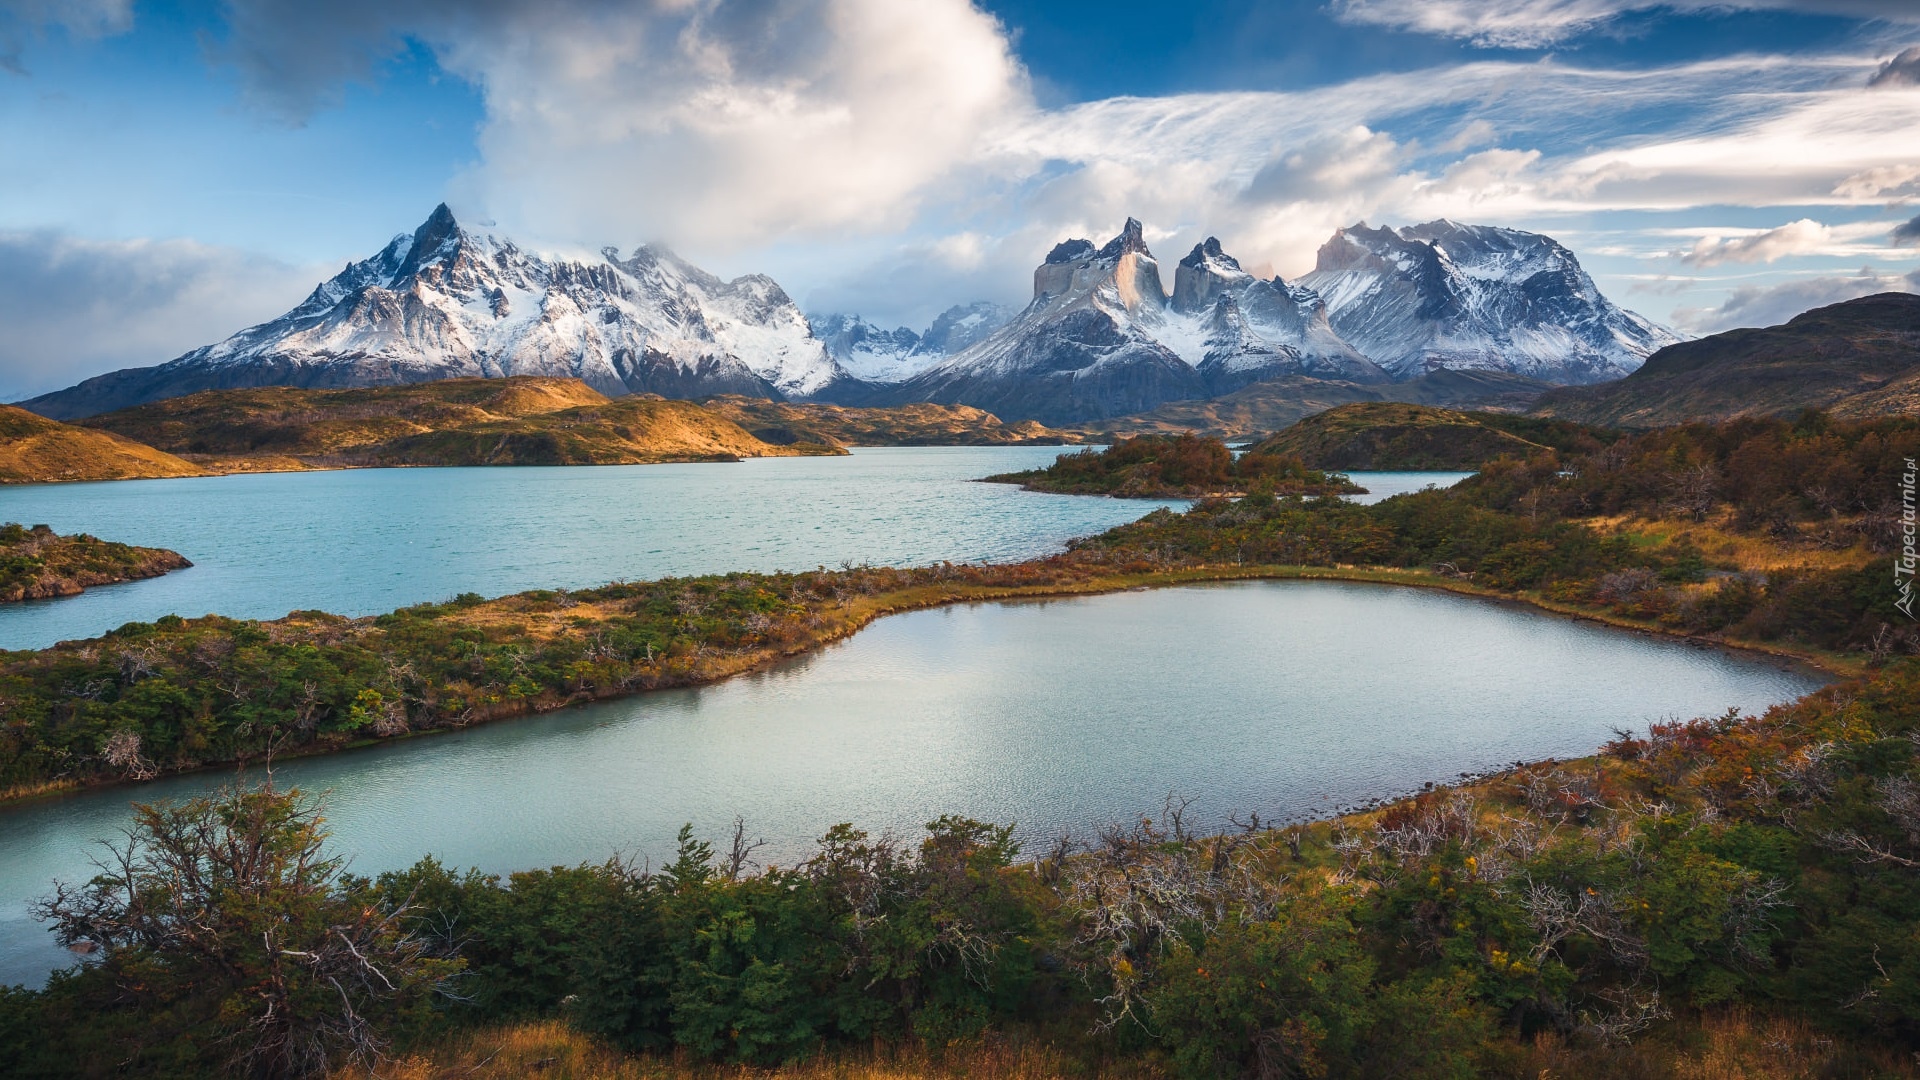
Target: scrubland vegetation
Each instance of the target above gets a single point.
(1177, 467)
(1725, 896)
(37, 563)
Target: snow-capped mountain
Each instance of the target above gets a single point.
(1082, 349)
(1102, 337)
(871, 354)
(1445, 295)
(1248, 329)
(446, 302)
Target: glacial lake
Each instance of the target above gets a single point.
(366, 541)
(1284, 698)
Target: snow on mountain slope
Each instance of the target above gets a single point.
(1237, 329)
(447, 302)
(1102, 337)
(865, 351)
(1444, 295)
(1084, 348)
(873, 355)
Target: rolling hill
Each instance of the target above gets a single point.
(1856, 360)
(35, 450)
(523, 420)
(784, 423)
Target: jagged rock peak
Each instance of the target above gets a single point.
(1204, 274)
(1209, 251)
(1132, 238)
(1067, 251)
(430, 237)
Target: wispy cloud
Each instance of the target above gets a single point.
(1759, 305)
(1540, 23)
(75, 307)
(838, 143)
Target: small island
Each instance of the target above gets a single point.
(1178, 467)
(38, 564)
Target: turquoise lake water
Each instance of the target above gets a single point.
(366, 541)
(1286, 698)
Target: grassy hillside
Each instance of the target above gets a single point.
(36, 563)
(34, 450)
(1278, 403)
(1391, 435)
(524, 420)
(1855, 360)
(923, 424)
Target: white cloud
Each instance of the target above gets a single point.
(1540, 23)
(1801, 237)
(834, 142)
(1508, 23)
(1757, 305)
(73, 308)
(1878, 181)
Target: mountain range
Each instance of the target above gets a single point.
(1102, 337)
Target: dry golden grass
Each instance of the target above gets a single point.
(551, 1050)
(1731, 1045)
(1753, 552)
(523, 420)
(898, 425)
(36, 450)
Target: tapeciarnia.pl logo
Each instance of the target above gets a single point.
(1903, 566)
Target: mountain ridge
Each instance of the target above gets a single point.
(1856, 359)
(1103, 338)
(444, 302)
(1106, 334)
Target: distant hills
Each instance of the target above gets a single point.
(1397, 435)
(784, 422)
(1103, 336)
(1856, 359)
(1273, 404)
(523, 420)
(518, 420)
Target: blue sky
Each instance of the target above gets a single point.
(170, 172)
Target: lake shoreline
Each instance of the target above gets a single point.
(863, 612)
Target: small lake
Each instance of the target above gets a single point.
(367, 541)
(1286, 698)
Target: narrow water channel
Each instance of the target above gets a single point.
(1285, 698)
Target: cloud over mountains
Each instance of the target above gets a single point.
(894, 158)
